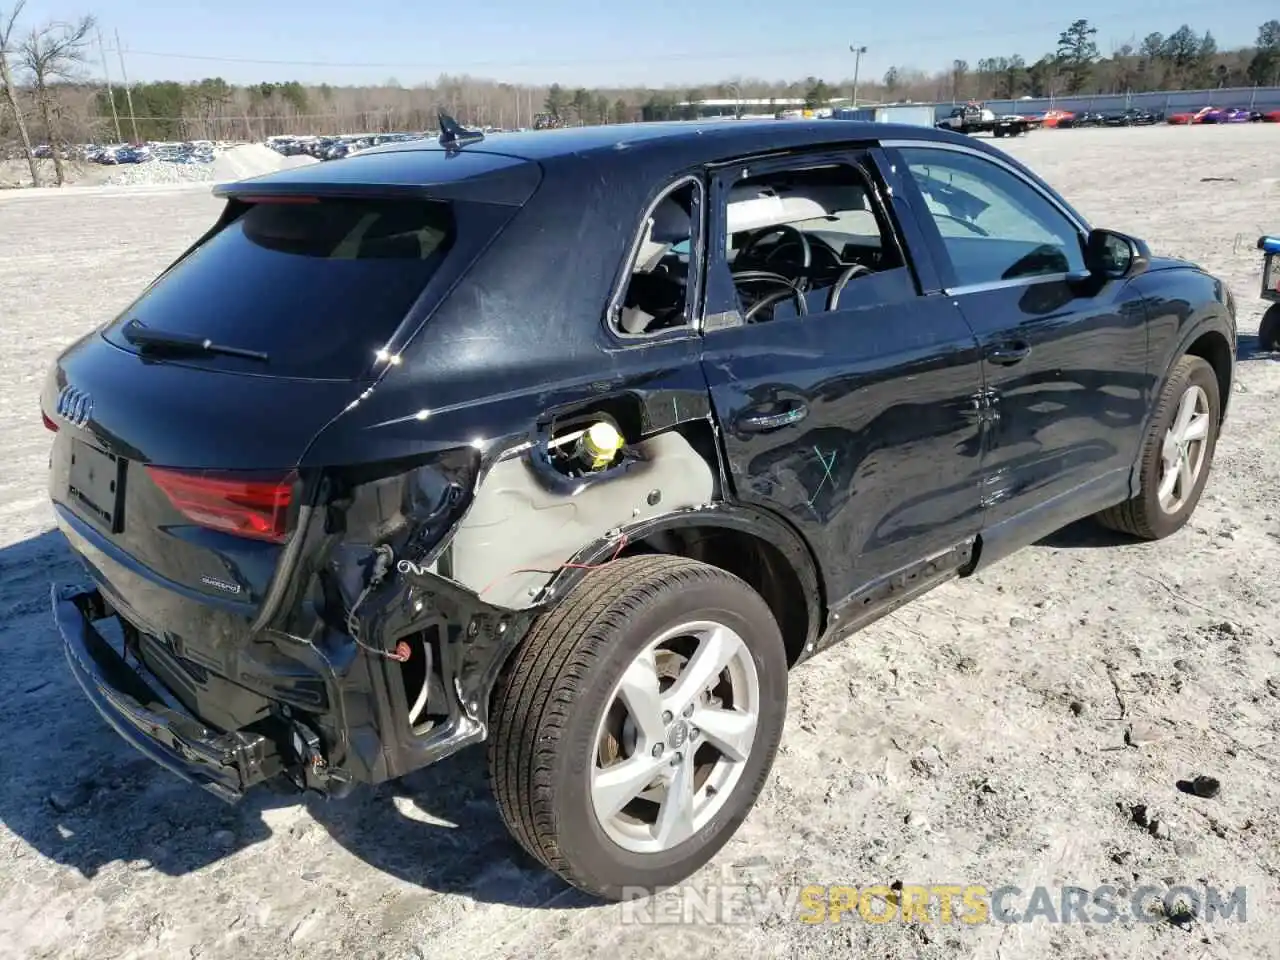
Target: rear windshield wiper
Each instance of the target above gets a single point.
(161, 341)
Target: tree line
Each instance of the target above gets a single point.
(34, 68)
(1182, 60)
(49, 99)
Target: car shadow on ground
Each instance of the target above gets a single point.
(440, 829)
(74, 792)
(1249, 348)
(1086, 533)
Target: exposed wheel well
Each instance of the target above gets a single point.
(758, 562)
(1213, 348)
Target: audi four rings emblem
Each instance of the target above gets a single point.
(74, 406)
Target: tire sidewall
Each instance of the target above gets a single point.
(1201, 374)
(1269, 329)
(724, 600)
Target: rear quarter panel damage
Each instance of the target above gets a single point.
(472, 549)
(520, 531)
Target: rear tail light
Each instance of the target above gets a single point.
(48, 422)
(248, 506)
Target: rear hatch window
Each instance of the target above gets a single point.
(317, 285)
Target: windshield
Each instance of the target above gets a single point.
(316, 285)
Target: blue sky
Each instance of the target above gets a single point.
(580, 42)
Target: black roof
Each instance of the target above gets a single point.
(722, 137)
(504, 167)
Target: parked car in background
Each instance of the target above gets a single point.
(974, 118)
(1089, 118)
(1132, 117)
(416, 485)
(134, 154)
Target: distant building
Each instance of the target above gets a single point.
(738, 107)
(915, 114)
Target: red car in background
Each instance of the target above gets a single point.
(1223, 115)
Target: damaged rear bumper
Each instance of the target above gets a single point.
(225, 764)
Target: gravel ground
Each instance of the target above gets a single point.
(235, 163)
(999, 731)
(16, 173)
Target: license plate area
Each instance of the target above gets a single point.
(96, 486)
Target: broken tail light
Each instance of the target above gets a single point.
(49, 423)
(247, 506)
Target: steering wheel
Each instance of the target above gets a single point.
(760, 276)
(769, 299)
(851, 271)
(766, 276)
(964, 223)
(787, 231)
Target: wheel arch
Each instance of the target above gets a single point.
(1211, 339)
(1212, 346)
(1208, 333)
(756, 546)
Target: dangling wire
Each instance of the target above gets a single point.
(381, 564)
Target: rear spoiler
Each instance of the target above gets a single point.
(418, 173)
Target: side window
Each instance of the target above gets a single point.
(994, 225)
(809, 240)
(657, 293)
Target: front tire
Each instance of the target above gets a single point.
(636, 725)
(1176, 455)
(1269, 329)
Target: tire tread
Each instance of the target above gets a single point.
(538, 689)
(1134, 516)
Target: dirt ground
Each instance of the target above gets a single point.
(999, 731)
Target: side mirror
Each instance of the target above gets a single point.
(1114, 256)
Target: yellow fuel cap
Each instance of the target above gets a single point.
(601, 443)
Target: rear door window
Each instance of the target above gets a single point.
(319, 285)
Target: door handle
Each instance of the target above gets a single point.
(759, 422)
(1007, 354)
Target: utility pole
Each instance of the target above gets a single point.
(857, 62)
(111, 95)
(128, 94)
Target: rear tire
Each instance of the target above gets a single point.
(1177, 454)
(581, 721)
(1269, 329)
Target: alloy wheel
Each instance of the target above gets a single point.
(675, 737)
(1183, 453)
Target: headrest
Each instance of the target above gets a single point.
(753, 206)
(670, 223)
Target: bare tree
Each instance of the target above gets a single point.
(10, 89)
(52, 54)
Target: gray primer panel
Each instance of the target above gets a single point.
(515, 523)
